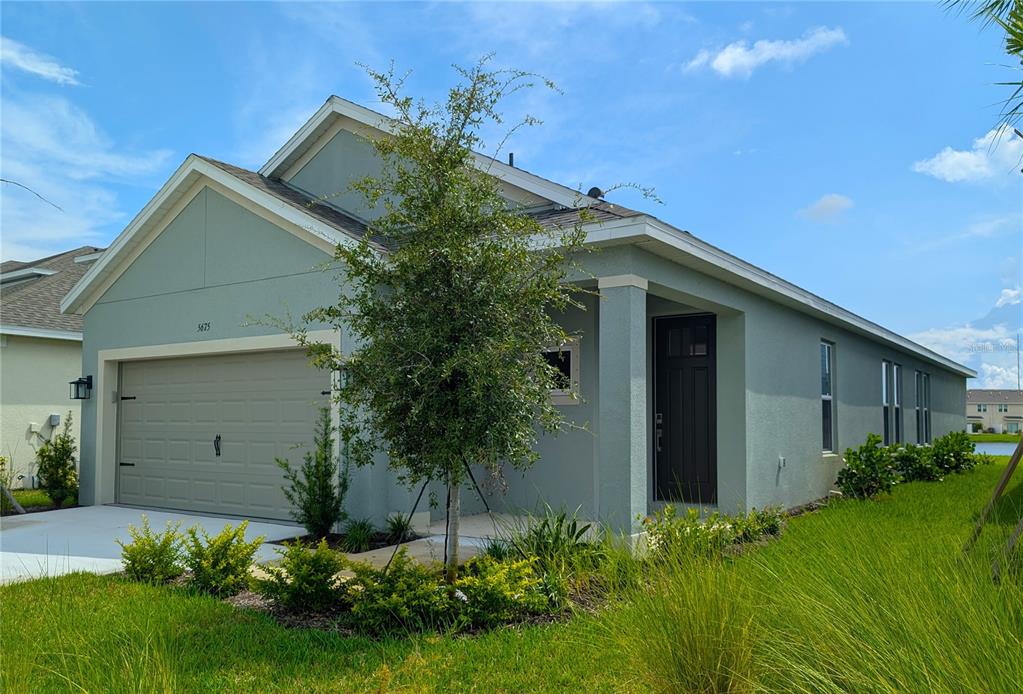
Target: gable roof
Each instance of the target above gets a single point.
(31, 292)
(994, 397)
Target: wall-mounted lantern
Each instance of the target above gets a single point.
(81, 388)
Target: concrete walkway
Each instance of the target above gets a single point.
(52, 543)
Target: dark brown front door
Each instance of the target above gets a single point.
(685, 420)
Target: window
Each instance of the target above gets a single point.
(927, 408)
(1003, 408)
(918, 399)
(981, 408)
(897, 400)
(886, 400)
(827, 396)
(565, 360)
(1012, 428)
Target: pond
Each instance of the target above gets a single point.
(996, 448)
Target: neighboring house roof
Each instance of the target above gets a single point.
(327, 225)
(31, 292)
(981, 396)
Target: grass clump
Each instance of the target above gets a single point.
(357, 536)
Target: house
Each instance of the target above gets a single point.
(40, 352)
(702, 378)
(1000, 411)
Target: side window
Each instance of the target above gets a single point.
(897, 402)
(565, 361)
(886, 400)
(827, 397)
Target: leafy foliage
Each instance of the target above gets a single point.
(953, 452)
(494, 592)
(448, 298)
(152, 557)
(915, 463)
(220, 564)
(315, 490)
(399, 528)
(690, 534)
(357, 536)
(555, 540)
(306, 578)
(55, 466)
(868, 471)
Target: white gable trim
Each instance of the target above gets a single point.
(26, 273)
(44, 333)
(310, 138)
(191, 177)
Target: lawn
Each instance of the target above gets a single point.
(994, 438)
(33, 499)
(862, 596)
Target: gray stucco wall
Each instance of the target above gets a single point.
(218, 263)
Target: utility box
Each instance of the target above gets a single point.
(54, 420)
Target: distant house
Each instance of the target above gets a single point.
(40, 351)
(702, 378)
(1000, 411)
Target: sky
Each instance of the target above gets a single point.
(847, 147)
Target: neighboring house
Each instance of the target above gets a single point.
(701, 377)
(40, 352)
(1000, 411)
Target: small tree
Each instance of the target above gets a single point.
(315, 490)
(450, 303)
(55, 466)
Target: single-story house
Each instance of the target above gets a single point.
(702, 378)
(40, 352)
(1000, 411)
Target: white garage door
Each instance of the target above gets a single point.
(201, 433)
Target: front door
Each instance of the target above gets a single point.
(685, 419)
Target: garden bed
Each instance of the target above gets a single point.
(33, 501)
(340, 541)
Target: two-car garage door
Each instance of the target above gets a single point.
(201, 433)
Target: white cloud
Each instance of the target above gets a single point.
(21, 57)
(740, 59)
(989, 157)
(998, 377)
(828, 208)
(55, 149)
(989, 227)
(1009, 297)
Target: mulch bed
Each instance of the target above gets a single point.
(337, 541)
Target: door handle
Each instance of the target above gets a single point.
(658, 431)
(216, 444)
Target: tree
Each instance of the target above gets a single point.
(55, 466)
(1007, 15)
(315, 490)
(450, 302)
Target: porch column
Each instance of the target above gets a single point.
(621, 478)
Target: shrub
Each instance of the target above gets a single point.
(220, 564)
(399, 528)
(751, 526)
(868, 471)
(493, 592)
(55, 466)
(358, 534)
(152, 557)
(407, 598)
(497, 548)
(983, 459)
(556, 540)
(914, 463)
(669, 533)
(306, 578)
(953, 452)
(315, 489)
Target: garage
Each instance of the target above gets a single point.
(201, 433)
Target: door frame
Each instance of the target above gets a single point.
(652, 500)
(108, 390)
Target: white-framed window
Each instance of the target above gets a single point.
(827, 397)
(897, 402)
(981, 408)
(566, 360)
(886, 400)
(927, 407)
(1003, 408)
(1012, 428)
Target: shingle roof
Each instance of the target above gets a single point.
(994, 397)
(34, 302)
(564, 217)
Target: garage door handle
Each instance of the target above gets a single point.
(127, 464)
(216, 444)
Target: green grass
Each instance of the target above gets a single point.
(860, 597)
(33, 498)
(994, 438)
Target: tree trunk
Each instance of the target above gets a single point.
(454, 518)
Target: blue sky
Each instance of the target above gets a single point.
(844, 147)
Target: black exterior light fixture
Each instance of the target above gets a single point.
(81, 388)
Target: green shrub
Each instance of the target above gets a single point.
(556, 540)
(953, 452)
(407, 598)
(497, 548)
(305, 579)
(751, 526)
(669, 533)
(868, 470)
(358, 534)
(316, 490)
(220, 564)
(914, 463)
(493, 592)
(399, 528)
(983, 459)
(152, 557)
(55, 466)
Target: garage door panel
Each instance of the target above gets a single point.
(263, 405)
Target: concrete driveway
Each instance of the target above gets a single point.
(52, 543)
